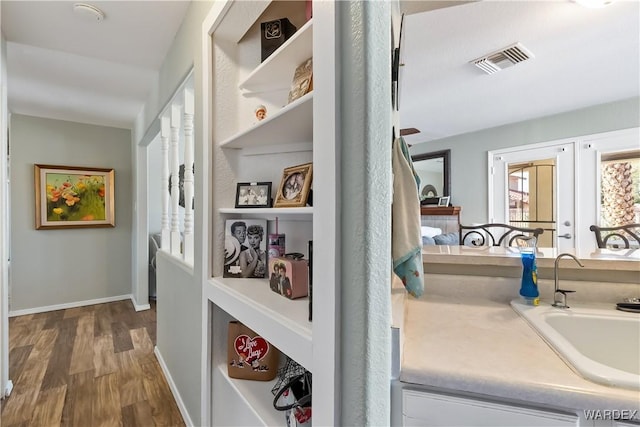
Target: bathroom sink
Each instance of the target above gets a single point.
(602, 345)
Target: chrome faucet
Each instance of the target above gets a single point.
(562, 301)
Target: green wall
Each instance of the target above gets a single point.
(52, 267)
(469, 173)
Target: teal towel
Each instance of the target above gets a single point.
(406, 244)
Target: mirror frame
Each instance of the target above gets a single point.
(446, 166)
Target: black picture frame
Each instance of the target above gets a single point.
(445, 155)
(253, 195)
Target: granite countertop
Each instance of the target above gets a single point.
(484, 347)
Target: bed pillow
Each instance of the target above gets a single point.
(447, 239)
(430, 231)
(428, 241)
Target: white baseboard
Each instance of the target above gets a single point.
(8, 388)
(14, 313)
(174, 388)
(139, 307)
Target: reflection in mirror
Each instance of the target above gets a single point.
(547, 103)
(531, 194)
(433, 170)
(620, 188)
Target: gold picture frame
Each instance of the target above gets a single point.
(74, 197)
(295, 186)
(302, 81)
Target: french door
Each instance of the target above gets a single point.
(533, 186)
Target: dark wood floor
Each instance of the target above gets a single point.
(87, 366)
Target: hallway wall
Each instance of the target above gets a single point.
(52, 267)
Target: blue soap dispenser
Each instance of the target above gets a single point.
(529, 284)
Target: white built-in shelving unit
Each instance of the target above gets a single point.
(292, 124)
(272, 73)
(241, 149)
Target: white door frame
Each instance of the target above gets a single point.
(5, 383)
(563, 151)
(589, 150)
(587, 153)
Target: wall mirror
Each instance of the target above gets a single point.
(434, 171)
(547, 97)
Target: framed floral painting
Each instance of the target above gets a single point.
(74, 197)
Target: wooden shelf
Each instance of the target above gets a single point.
(270, 214)
(291, 125)
(281, 321)
(440, 210)
(276, 72)
(246, 400)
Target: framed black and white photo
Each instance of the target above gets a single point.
(295, 186)
(253, 195)
(444, 201)
(245, 248)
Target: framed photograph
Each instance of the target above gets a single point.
(253, 195)
(74, 197)
(294, 187)
(245, 248)
(430, 201)
(302, 80)
(444, 201)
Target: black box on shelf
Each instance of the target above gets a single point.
(274, 34)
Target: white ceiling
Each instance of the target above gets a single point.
(64, 66)
(583, 57)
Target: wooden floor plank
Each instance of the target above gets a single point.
(103, 320)
(24, 333)
(143, 345)
(52, 319)
(163, 407)
(19, 406)
(130, 379)
(58, 367)
(103, 387)
(48, 409)
(30, 377)
(136, 415)
(17, 358)
(126, 312)
(106, 403)
(43, 345)
(121, 337)
(82, 354)
(78, 406)
(104, 359)
(78, 311)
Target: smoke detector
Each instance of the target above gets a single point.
(503, 58)
(88, 11)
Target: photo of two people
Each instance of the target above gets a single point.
(245, 248)
(278, 281)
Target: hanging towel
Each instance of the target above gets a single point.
(406, 245)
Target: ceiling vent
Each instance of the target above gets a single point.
(504, 58)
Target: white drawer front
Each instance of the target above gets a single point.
(428, 409)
